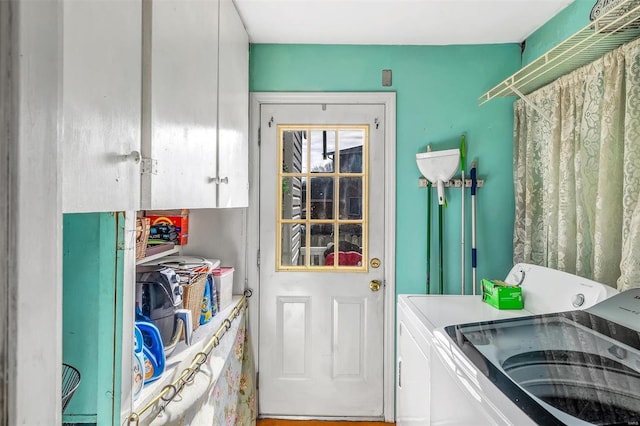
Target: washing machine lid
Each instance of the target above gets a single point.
(563, 368)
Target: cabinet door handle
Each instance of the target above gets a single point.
(218, 180)
(132, 156)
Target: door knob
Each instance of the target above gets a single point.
(374, 285)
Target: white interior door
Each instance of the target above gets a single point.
(321, 261)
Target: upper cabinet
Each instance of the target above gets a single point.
(179, 109)
(155, 105)
(233, 109)
(101, 105)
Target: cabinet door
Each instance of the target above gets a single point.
(101, 105)
(233, 113)
(92, 311)
(413, 390)
(180, 80)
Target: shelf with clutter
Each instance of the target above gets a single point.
(180, 302)
(187, 360)
(160, 233)
(99, 300)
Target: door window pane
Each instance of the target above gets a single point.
(291, 244)
(294, 151)
(321, 203)
(350, 245)
(322, 235)
(351, 151)
(350, 198)
(292, 198)
(323, 149)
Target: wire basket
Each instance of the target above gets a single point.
(70, 382)
(192, 295)
(143, 229)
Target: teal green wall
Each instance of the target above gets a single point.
(437, 91)
(566, 23)
(92, 313)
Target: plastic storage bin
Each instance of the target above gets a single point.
(223, 278)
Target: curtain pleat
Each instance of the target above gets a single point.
(577, 175)
(223, 393)
(630, 263)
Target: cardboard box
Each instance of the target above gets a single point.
(223, 278)
(177, 218)
(501, 295)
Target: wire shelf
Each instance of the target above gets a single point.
(618, 26)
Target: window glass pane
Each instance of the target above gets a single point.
(350, 145)
(350, 245)
(321, 242)
(323, 148)
(292, 244)
(292, 198)
(350, 198)
(294, 151)
(321, 198)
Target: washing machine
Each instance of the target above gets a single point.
(576, 367)
(461, 361)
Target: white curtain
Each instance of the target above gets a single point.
(577, 176)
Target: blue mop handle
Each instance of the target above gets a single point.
(474, 180)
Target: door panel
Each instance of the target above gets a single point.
(233, 109)
(294, 328)
(101, 106)
(348, 347)
(321, 220)
(180, 107)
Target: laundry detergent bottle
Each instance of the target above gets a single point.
(153, 351)
(138, 363)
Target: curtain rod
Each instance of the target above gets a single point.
(173, 389)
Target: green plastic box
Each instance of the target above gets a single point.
(501, 295)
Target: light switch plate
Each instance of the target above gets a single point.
(386, 78)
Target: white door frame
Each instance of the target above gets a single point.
(388, 99)
(31, 211)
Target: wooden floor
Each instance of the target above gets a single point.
(277, 422)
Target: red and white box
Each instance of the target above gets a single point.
(177, 218)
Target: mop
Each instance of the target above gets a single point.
(474, 253)
(438, 167)
(463, 153)
(440, 251)
(429, 188)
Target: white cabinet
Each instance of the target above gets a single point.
(101, 105)
(413, 386)
(155, 105)
(179, 110)
(233, 109)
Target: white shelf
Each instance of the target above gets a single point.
(611, 30)
(174, 250)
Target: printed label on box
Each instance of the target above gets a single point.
(181, 224)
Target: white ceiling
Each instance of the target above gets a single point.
(425, 22)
